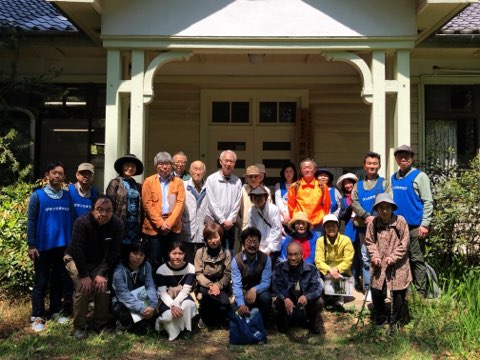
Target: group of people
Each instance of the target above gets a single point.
(181, 244)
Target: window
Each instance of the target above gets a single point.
(231, 112)
(452, 123)
(277, 112)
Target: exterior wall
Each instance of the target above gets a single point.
(268, 18)
(174, 123)
(340, 118)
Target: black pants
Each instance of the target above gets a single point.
(158, 247)
(300, 314)
(417, 262)
(397, 314)
(214, 309)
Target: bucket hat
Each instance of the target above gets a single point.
(383, 197)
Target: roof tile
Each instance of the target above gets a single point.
(37, 15)
(466, 22)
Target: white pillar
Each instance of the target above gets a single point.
(137, 109)
(378, 114)
(402, 108)
(113, 131)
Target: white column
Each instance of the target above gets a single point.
(137, 109)
(378, 114)
(113, 131)
(402, 108)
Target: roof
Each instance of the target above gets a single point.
(467, 22)
(33, 15)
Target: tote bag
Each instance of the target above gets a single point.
(245, 330)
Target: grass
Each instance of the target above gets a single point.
(441, 329)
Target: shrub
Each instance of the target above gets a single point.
(454, 242)
(16, 269)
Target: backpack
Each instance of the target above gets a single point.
(433, 290)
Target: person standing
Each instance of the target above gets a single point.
(83, 192)
(387, 241)
(288, 175)
(266, 217)
(193, 218)
(224, 195)
(163, 197)
(253, 179)
(308, 196)
(413, 195)
(91, 256)
(49, 228)
(325, 176)
(363, 198)
(126, 196)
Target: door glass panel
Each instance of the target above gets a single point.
(287, 112)
(268, 112)
(241, 112)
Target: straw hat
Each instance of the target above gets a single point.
(299, 216)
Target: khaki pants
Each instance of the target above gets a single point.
(81, 300)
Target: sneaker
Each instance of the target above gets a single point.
(60, 319)
(201, 324)
(80, 334)
(369, 296)
(339, 302)
(38, 324)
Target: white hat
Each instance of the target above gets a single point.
(330, 217)
(347, 176)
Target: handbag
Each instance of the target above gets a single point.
(246, 330)
(175, 290)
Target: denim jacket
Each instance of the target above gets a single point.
(283, 283)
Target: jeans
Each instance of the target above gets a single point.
(300, 315)
(365, 261)
(357, 265)
(228, 239)
(49, 268)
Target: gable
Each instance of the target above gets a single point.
(267, 18)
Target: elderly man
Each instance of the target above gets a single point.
(83, 192)
(251, 275)
(413, 196)
(224, 194)
(308, 196)
(298, 288)
(163, 198)
(179, 166)
(92, 254)
(363, 198)
(195, 209)
(49, 229)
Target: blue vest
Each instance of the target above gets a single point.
(410, 206)
(366, 198)
(54, 223)
(334, 205)
(350, 229)
(81, 205)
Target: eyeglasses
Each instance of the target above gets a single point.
(251, 241)
(164, 163)
(180, 162)
(103, 211)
